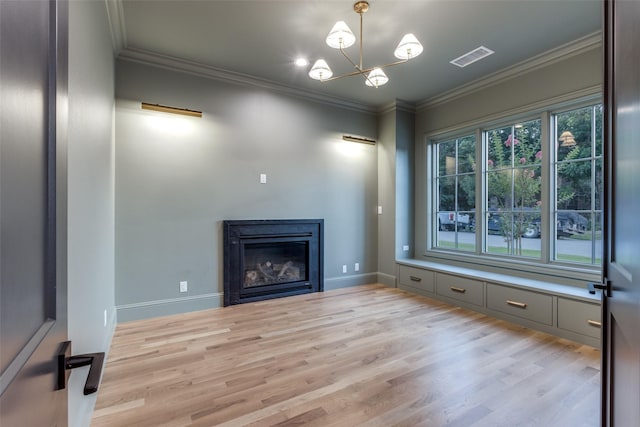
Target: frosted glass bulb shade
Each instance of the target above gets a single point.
(376, 78)
(409, 47)
(340, 36)
(320, 70)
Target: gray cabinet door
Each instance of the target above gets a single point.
(33, 322)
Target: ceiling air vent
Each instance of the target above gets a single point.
(471, 57)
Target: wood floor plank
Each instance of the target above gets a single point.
(363, 356)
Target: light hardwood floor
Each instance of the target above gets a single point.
(362, 356)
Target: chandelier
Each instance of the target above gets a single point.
(341, 37)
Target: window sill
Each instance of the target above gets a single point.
(568, 274)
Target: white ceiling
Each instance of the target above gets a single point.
(261, 38)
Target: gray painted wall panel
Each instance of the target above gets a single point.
(178, 177)
(91, 196)
(386, 192)
(395, 187)
(405, 128)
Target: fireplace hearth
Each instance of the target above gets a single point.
(266, 259)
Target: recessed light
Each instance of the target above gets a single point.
(301, 62)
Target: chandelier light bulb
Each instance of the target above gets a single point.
(340, 36)
(376, 78)
(320, 70)
(409, 47)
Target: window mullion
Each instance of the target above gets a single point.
(481, 164)
(456, 243)
(435, 194)
(547, 188)
(592, 214)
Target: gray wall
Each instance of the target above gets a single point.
(576, 75)
(386, 194)
(404, 190)
(395, 188)
(90, 192)
(178, 177)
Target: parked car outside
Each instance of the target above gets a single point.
(568, 223)
(447, 221)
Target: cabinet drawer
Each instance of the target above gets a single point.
(460, 288)
(580, 317)
(417, 278)
(518, 302)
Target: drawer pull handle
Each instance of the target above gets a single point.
(459, 290)
(517, 304)
(415, 279)
(594, 323)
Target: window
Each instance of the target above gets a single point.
(578, 186)
(455, 184)
(513, 180)
(535, 197)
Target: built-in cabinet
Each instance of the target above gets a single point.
(561, 310)
(460, 288)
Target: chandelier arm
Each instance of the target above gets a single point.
(361, 41)
(391, 64)
(349, 59)
(353, 73)
(358, 68)
(364, 71)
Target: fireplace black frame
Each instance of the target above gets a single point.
(237, 234)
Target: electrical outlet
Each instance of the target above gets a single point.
(344, 268)
(183, 286)
(263, 178)
(357, 267)
(379, 210)
(405, 248)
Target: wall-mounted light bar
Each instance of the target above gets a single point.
(359, 139)
(172, 110)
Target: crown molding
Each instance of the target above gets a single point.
(568, 50)
(197, 69)
(398, 105)
(115, 16)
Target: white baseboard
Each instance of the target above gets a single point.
(148, 309)
(360, 279)
(387, 279)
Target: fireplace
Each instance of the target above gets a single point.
(266, 259)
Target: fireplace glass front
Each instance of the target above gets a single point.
(271, 263)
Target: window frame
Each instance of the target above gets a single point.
(546, 265)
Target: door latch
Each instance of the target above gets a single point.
(67, 362)
(599, 286)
